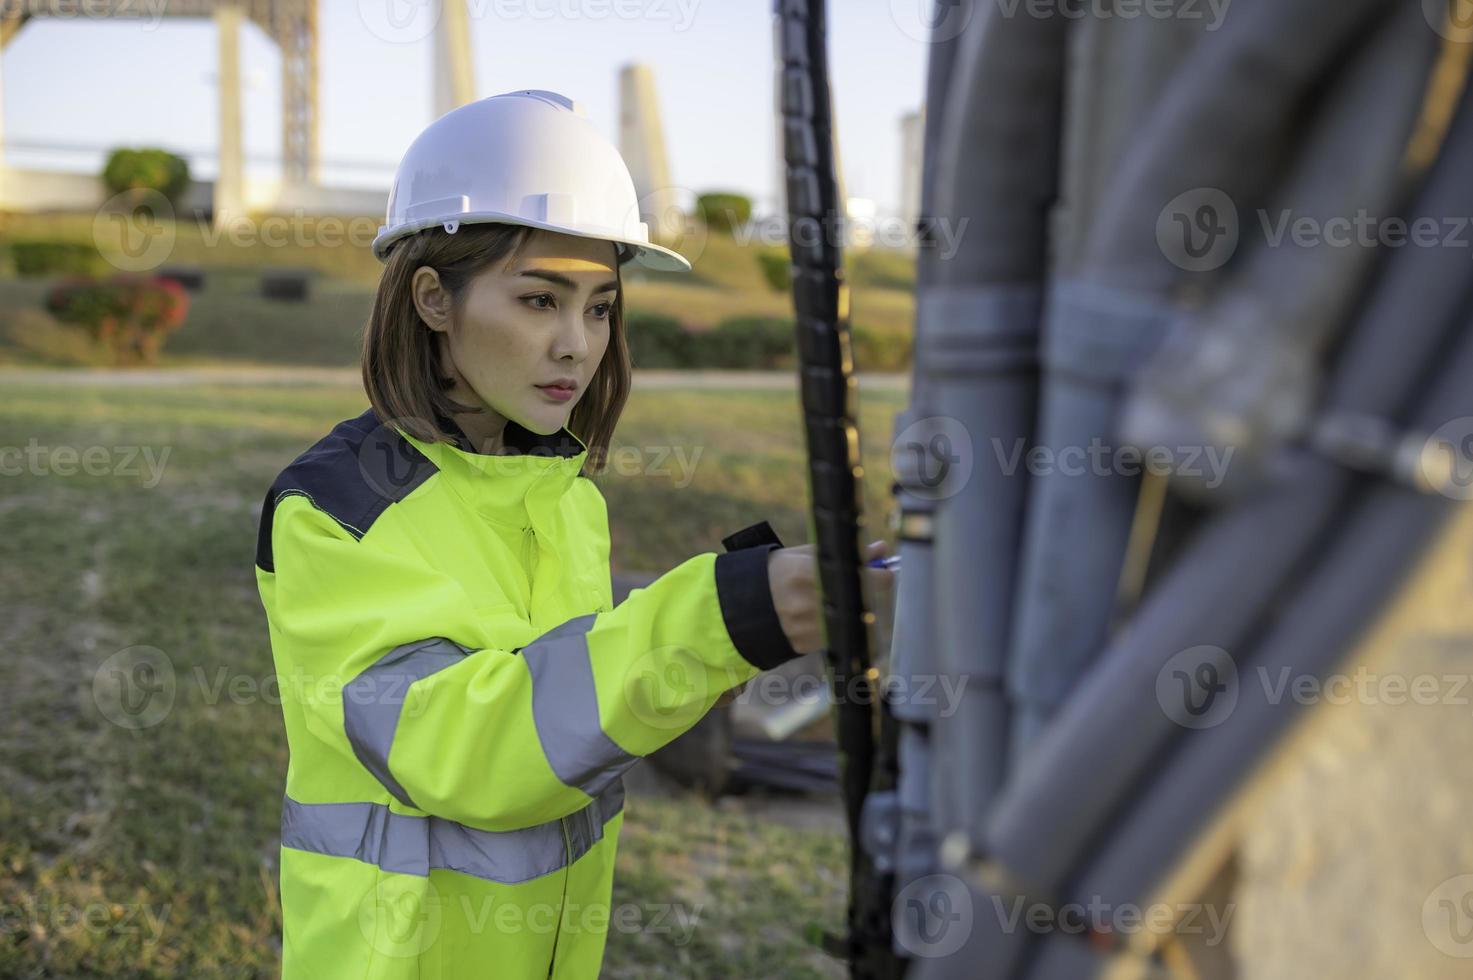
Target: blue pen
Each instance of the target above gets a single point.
(892, 562)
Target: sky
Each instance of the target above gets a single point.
(75, 86)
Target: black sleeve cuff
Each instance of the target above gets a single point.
(746, 607)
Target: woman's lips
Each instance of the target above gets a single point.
(555, 393)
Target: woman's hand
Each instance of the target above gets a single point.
(792, 575)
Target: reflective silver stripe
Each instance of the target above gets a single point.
(565, 709)
(413, 845)
(373, 700)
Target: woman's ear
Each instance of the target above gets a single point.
(431, 299)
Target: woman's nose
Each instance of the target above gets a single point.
(572, 338)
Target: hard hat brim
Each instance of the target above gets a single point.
(647, 254)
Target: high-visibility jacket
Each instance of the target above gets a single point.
(461, 697)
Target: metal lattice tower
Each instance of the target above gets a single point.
(292, 24)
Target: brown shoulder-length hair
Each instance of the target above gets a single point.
(401, 354)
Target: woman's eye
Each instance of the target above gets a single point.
(533, 300)
(607, 309)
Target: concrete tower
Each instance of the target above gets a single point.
(229, 197)
(455, 75)
(642, 144)
(912, 132)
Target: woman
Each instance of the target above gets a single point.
(461, 695)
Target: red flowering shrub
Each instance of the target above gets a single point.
(128, 314)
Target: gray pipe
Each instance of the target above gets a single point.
(976, 346)
(1106, 319)
(1111, 732)
(1224, 123)
(913, 644)
(1117, 70)
(997, 170)
(1372, 552)
(1241, 377)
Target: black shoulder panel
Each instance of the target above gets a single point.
(351, 474)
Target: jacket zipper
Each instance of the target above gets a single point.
(567, 870)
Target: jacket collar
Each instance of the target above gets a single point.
(512, 488)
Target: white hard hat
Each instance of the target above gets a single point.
(529, 157)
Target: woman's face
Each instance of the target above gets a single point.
(533, 319)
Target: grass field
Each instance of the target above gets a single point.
(229, 319)
(151, 852)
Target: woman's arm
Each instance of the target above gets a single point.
(481, 721)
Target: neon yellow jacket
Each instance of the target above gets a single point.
(461, 697)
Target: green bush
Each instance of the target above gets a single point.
(724, 212)
(146, 168)
(129, 315)
(658, 341)
(748, 342)
(41, 257)
(776, 269)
